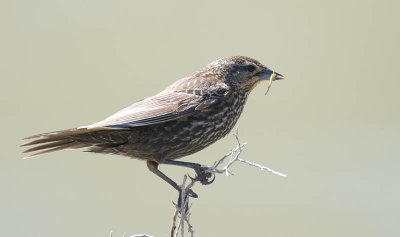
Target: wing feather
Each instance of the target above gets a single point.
(177, 101)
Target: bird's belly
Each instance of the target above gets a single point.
(185, 136)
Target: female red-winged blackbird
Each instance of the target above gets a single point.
(185, 118)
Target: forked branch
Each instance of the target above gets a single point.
(182, 212)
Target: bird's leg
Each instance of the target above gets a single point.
(202, 173)
(153, 167)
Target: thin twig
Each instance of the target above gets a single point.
(182, 212)
(173, 228)
(136, 235)
(261, 167)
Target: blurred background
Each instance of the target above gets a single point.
(333, 125)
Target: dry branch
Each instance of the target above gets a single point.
(182, 209)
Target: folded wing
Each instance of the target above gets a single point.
(177, 101)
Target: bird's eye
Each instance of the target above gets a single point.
(250, 68)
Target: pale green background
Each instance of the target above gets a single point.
(332, 125)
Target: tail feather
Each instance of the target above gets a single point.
(62, 133)
(61, 147)
(72, 139)
(50, 145)
(40, 141)
(54, 141)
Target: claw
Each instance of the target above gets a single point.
(191, 178)
(206, 181)
(190, 193)
(203, 175)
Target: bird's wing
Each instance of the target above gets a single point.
(178, 100)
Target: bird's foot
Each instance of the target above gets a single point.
(204, 175)
(190, 193)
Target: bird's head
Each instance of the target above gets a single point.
(244, 71)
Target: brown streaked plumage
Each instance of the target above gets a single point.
(186, 117)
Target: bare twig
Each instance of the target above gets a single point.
(261, 167)
(182, 213)
(182, 210)
(136, 235)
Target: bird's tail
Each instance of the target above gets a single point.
(59, 140)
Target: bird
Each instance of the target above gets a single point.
(186, 117)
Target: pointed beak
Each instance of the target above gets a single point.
(266, 73)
